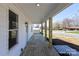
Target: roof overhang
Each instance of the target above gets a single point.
(39, 14)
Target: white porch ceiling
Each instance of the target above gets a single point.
(41, 13)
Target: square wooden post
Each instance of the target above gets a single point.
(45, 28)
(42, 28)
(50, 31)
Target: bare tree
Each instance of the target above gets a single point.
(76, 22)
(67, 22)
(56, 26)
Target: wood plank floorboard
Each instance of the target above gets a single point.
(38, 46)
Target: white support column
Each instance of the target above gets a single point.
(41, 27)
(45, 28)
(50, 31)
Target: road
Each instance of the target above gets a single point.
(63, 33)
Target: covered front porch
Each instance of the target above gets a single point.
(41, 43)
(17, 36)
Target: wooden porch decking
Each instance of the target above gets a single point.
(38, 46)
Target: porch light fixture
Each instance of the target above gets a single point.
(26, 24)
(37, 4)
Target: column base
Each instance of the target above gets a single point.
(49, 44)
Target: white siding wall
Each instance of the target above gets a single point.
(22, 37)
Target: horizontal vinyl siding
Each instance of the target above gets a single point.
(22, 36)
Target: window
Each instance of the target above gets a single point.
(13, 28)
